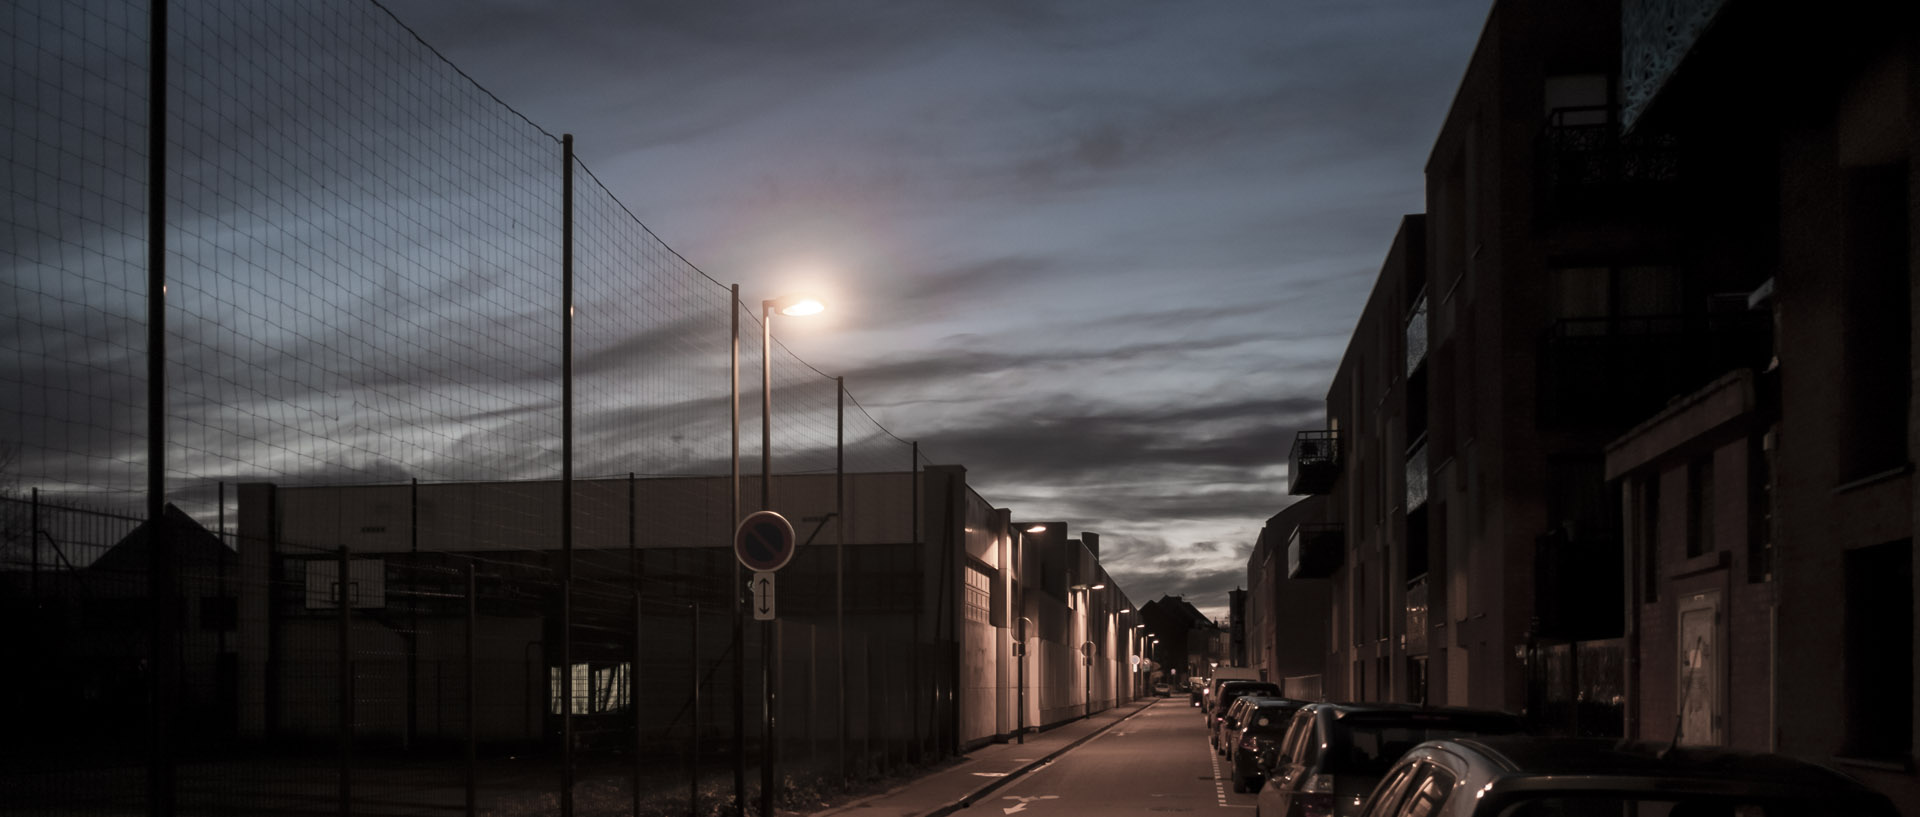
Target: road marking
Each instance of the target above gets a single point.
(989, 774)
(1022, 805)
(1219, 782)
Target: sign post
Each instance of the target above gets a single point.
(764, 543)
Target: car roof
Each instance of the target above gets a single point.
(1566, 761)
(1362, 712)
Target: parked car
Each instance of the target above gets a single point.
(1333, 755)
(1262, 724)
(1162, 689)
(1577, 777)
(1222, 694)
(1221, 738)
(1197, 692)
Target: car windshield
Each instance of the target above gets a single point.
(1665, 804)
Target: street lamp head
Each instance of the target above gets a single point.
(1037, 529)
(1101, 586)
(795, 305)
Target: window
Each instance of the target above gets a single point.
(597, 688)
(1648, 526)
(1876, 340)
(1700, 506)
(979, 595)
(1431, 793)
(1577, 99)
(1392, 791)
(1879, 651)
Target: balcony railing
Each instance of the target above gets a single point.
(1587, 168)
(1619, 371)
(1316, 551)
(1314, 462)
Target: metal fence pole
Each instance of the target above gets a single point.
(161, 769)
(343, 598)
(473, 683)
(693, 678)
(632, 691)
(413, 617)
(566, 475)
(33, 533)
(840, 567)
(739, 624)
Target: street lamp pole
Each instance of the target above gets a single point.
(789, 305)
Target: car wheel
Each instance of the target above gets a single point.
(1239, 784)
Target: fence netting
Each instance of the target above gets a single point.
(376, 391)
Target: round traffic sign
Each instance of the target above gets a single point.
(764, 541)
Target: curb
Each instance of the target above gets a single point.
(994, 785)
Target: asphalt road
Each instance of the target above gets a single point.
(1155, 764)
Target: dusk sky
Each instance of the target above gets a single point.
(1104, 254)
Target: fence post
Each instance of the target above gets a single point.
(566, 474)
(413, 617)
(33, 533)
(342, 597)
(813, 692)
(473, 683)
(840, 568)
(633, 694)
(632, 691)
(693, 677)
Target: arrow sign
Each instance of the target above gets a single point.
(763, 596)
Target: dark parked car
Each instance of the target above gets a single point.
(1586, 777)
(1229, 724)
(1261, 725)
(1334, 754)
(1222, 694)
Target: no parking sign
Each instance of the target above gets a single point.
(764, 541)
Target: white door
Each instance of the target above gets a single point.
(1697, 687)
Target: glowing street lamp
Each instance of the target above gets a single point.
(792, 306)
(795, 306)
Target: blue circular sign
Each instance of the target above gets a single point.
(764, 541)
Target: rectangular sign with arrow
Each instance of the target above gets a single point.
(763, 596)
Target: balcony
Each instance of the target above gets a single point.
(1316, 551)
(1615, 372)
(1587, 169)
(1314, 462)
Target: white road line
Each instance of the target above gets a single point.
(1219, 782)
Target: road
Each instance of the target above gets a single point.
(1154, 764)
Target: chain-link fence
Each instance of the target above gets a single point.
(385, 296)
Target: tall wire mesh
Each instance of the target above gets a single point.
(366, 440)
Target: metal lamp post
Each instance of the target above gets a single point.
(792, 305)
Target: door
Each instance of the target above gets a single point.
(1697, 685)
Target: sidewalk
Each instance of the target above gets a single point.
(984, 770)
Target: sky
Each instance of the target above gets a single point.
(1106, 255)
